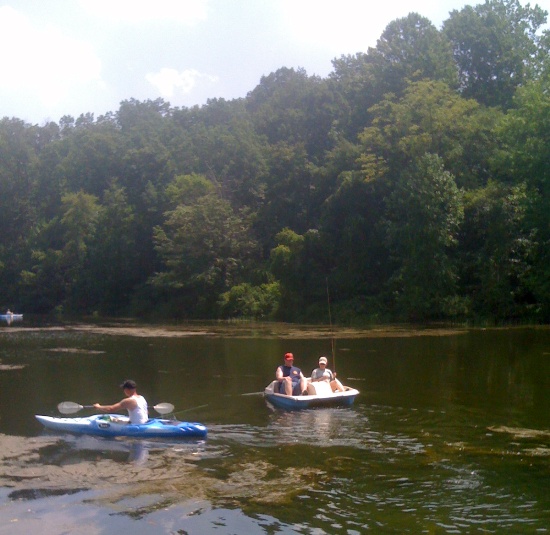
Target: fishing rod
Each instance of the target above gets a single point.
(331, 331)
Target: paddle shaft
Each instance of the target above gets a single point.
(191, 409)
(70, 407)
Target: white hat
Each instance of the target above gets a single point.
(323, 360)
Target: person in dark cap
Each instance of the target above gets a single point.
(291, 379)
(135, 404)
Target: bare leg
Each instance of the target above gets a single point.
(288, 386)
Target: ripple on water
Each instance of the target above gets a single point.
(321, 428)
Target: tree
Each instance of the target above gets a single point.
(298, 263)
(188, 189)
(288, 192)
(17, 215)
(494, 249)
(113, 269)
(412, 49)
(248, 301)
(18, 157)
(353, 246)
(231, 156)
(290, 107)
(496, 48)
(430, 118)
(89, 157)
(206, 249)
(423, 215)
(523, 161)
(79, 223)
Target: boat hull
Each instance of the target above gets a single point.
(113, 426)
(11, 316)
(319, 395)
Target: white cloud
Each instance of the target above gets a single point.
(41, 61)
(351, 26)
(170, 82)
(346, 26)
(189, 12)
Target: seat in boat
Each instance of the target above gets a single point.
(319, 388)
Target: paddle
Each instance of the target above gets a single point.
(70, 407)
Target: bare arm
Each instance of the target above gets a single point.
(124, 404)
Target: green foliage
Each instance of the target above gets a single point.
(219, 142)
(524, 158)
(290, 107)
(187, 189)
(424, 213)
(430, 118)
(413, 182)
(496, 48)
(299, 263)
(113, 262)
(205, 249)
(495, 251)
(251, 302)
(412, 49)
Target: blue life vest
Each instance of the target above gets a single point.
(291, 371)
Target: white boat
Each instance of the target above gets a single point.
(319, 394)
(10, 317)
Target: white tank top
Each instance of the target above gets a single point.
(139, 415)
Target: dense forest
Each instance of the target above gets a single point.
(411, 184)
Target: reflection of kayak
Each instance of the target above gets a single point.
(319, 395)
(116, 425)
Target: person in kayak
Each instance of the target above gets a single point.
(135, 404)
(291, 379)
(322, 373)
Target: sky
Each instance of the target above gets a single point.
(72, 57)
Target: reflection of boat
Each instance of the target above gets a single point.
(135, 451)
(116, 425)
(319, 394)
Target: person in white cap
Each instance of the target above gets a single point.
(322, 373)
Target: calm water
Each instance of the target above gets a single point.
(450, 434)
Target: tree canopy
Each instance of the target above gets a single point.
(413, 181)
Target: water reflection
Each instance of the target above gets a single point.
(450, 434)
(85, 448)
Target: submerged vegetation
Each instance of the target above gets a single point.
(413, 181)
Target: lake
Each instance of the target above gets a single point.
(450, 432)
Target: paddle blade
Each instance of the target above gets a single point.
(69, 407)
(164, 408)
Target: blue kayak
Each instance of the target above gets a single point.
(117, 425)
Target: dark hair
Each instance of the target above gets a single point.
(128, 384)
